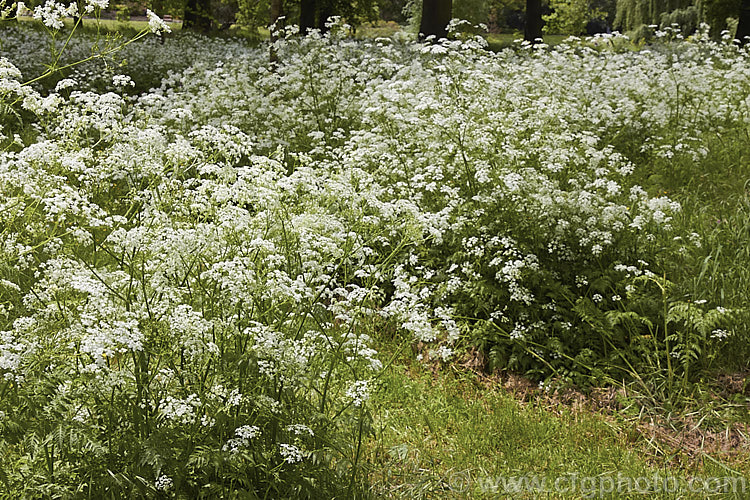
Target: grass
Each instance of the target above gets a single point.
(499, 41)
(379, 29)
(446, 433)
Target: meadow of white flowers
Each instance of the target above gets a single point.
(192, 276)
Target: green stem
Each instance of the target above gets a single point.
(90, 58)
(65, 45)
(666, 331)
(356, 456)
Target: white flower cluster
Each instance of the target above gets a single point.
(234, 219)
(180, 411)
(280, 356)
(192, 332)
(53, 13)
(720, 334)
(157, 24)
(12, 354)
(359, 392)
(163, 483)
(300, 429)
(120, 81)
(244, 435)
(290, 453)
(92, 5)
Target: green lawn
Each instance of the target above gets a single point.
(498, 41)
(451, 434)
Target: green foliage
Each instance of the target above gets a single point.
(507, 14)
(474, 11)
(686, 14)
(606, 7)
(391, 10)
(413, 13)
(356, 12)
(224, 13)
(687, 19)
(632, 14)
(123, 13)
(570, 17)
(253, 14)
(174, 8)
(717, 12)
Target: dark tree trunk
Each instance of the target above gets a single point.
(436, 14)
(326, 11)
(307, 10)
(533, 28)
(78, 18)
(197, 15)
(743, 26)
(276, 13)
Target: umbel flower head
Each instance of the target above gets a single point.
(157, 24)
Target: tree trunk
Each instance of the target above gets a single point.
(326, 11)
(533, 28)
(307, 10)
(78, 18)
(436, 14)
(276, 13)
(197, 15)
(743, 26)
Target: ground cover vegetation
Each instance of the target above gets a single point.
(202, 250)
(449, 433)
